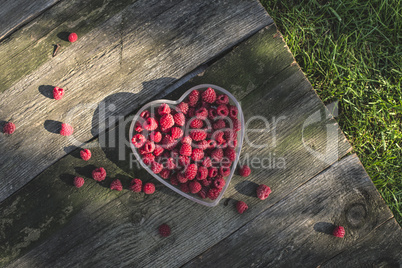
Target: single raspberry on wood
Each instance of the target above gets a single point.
(222, 110)
(99, 174)
(230, 153)
(66, 130)
(191, 171)
(78, 182)
(186, 149)
(339, 231)
(166, 121)
(197, 154)
(148, 159)
(219, 183)
(213, 193)
(182, 107)
(72, 37)
(201, 113)
(9, 128)
(136, 185)
(263, 191)
(193, 98)
(164, 109)
(149, 188)
(155, 136)
(198, 134)
(194, 186)
(241, 207)
(164, 230)
(116, 185)
(176, 132)
(245, 171)
(209, 95)
(85, 154)
(58, 93)
(179, 119)
(156, 167)
(150, 124)
(202, 173)
(222, 99)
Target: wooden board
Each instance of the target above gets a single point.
(156, 43)
(15, 13)
(276, 81)
(296, 232)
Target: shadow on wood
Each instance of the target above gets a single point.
(324, 227)
(46, 90)
(52, 126)
(63, 36)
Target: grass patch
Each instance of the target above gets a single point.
(351, 52)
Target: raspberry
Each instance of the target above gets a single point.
(263, 191)
(191, 171)
(209, 95)
(202, 173)
(203, 145)
(9, 128)
(219, 137)
(213, 193)
(148, 159)
(155, 136)
(145, 114)
(207, 162)
(212, 172)
(176, 132)
(241, 207)
(149, 146)
(222, 99)
(99, 174)
(222, 110)
(196, 123)
(166, 130)
(230, 135)
(72, 37)
(212, 114)
(138, 127)
(193, 98)
(224, 171)
(116, 185)
(170, 163)
(166, 121)
(232, 144)
(165, 173)
(236, 125)
(156, 167)
(217, 154)
(203, 193)
(211, 144)
(85, 154)
(225, 162)
(182, 107)
(191, 112)
(149, 188)
(230, 153)
(150, 124)
(164, 230)
(201, 113)
(245, 171)
(197, 154)
(164, 109)
(173, 180)
(168, 142)
(198, 134)
(186, 149)
(339, 231)
(58, 93)
(219, 124)
(66, 130)
(179, 119)
(184, 188)
(184, 161)
(233, 111)
(181, 178)
(186, 140)
(78, 182)
(219, 183)
(136, 185)
(206, 182)
(194, 186)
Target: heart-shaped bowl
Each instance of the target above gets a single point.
(153, 108)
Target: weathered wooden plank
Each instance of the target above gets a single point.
(15, 13)
(280, 83)
(296, 230)
(154, 45)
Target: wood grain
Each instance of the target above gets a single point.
(296, 232)
(156, 43)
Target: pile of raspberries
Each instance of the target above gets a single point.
(191, 144)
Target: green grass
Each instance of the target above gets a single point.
(351, 52)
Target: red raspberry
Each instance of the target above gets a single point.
(196, 123)
(9, 128)
(219, 183)
(213, 193)
(191, 171)
(206, 182)
(184, 161)
(198, 134)
(179, 119)
(203, 193)
(168, 142)
(191, 112)
(148, 159)
(156, 167)
(164, 230)
(225, 162)
(72, 37)
(230, 153)
(182, 107)
(194, 186)
(219, 124)
(166, 121)
(155, 136)
(236, 125)
(339, 231)
(164, 109)
(245, 171)
(58, 93)
(201, 113)
(224, 171)
(165, 173)
(211, 144)
(205, 105)
(174, 180)
(150, 124)
(222, 99)
(145, 114)
(181, 177)
(138, 127)
(184, 188)
(170, 163)
(99, 174)
(212, 114)
(197, 154)
(186, 149)
(176, 132)
(166, 130)
(217, 154)
(66, 130)
(222, 110)
(219, 137)
(241, 207)
(202, 173)
(233, 111)
(209, 95)
(116, 185)
(193, 98)
(232, 144)
(149, 146)
(207, 162)
(186, 140)
(212, 172)
(78, 182)
(230, 135)
(149, 188)
(136, 185)
(203, 145)
(158, 150)
(263, 191)
(85, 154)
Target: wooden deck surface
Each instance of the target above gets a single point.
(129, 53)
